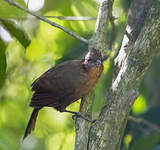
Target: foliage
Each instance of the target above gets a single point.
(2, 62)
(46, 46)
(16, 32)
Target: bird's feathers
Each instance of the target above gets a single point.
(58, 84)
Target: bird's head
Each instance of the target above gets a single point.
(93, 60)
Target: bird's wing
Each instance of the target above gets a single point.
(44, 99)
(47, 81)
(55, 85)
(56, 79)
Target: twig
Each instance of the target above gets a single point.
(145, 122)
(11, 2)
(67, 18)
(72, 18)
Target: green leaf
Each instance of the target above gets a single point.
(6, 10)
(3, 63)
(15, 31)
(91, 10)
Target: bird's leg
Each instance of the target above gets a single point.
(77, 114)
(82, 102)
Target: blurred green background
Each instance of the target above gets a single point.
(28, 47)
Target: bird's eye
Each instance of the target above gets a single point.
(89, 60)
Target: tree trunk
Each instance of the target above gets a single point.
(140, 44)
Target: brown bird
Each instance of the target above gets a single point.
(64, 84)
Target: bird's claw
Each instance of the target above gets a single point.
(78, 114)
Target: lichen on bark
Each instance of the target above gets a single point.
(112, 120)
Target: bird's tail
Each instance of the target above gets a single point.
(31, 123)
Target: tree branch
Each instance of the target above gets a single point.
(97, 41)
(145, 122)
(72, 18)
(67, 18)
(136, 18)
(11, 2)
(82, 126)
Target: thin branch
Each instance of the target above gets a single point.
(145, 122)
(67, 18)
(98, 40)
(11, 2)
(72, 18)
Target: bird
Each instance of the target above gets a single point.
(64, 84)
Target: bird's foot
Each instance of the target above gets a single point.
(78, 114)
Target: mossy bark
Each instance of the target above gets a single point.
(107, 131)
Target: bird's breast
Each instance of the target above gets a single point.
(87, 82)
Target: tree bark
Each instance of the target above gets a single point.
(97, 41)
(133, 60)
(140, 44)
